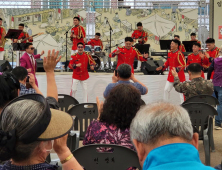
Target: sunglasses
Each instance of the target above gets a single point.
(32, 48)
(80, 47)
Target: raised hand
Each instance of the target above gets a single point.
(50, 62)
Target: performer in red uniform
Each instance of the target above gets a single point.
(140, 34)
(96, 41)
(77, 34)
(175, 59)
(79, 63)
(2, 35)
(181, 47)
(212, 52)
(127, 54)
(23, 35)
(193, 38)
(198, 57)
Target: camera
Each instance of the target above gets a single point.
(27, 80)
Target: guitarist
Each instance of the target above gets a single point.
(23, 35)
(142, 37)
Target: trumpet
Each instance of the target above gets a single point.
(3, 39)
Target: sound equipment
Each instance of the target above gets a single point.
(159, 63)
(40, 67)
(165, 53)
(5, 66)
(149, 67)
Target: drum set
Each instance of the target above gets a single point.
(97, 55)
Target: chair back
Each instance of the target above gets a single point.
(85, 113)
(118, 157)
(199, 114)
(66, 102)
(203, 99)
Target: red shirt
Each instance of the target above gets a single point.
(93, 42)
(214, 54)
(1, 33)
(78, 31)
(81, 73)
(192, 58)
(137, 34)
(177, 60)
(24, 35)
(182, 48)
(127, 56)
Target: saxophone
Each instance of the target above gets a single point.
(3, 39)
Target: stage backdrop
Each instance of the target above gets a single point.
(160, 24)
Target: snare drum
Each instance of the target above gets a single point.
(97, 49)
(88, 48)
(98, 62)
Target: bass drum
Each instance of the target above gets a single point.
(98, 62)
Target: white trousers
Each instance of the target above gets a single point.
(75, 83)
(167, 89)
(2, 55)
(138, 66)
(74, 51)
(17, 57)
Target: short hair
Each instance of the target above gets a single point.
(9, 86)
(193, 34)
(77, 18)
(176, 36)
(80, 43)
(0, 19)
(197, 44)
(160, 120)
(124, 71)
(177, 42)
(27, 45)
(121, 106)
(210, 40)
(20, 73)
(194, 68)
(98, 34)
(22, 25)
(130, 39)
(139, 24)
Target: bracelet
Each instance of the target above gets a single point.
(67, 159)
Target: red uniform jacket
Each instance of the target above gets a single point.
(213, 54)
(127, 56)
(136, 34)
(192, 58)
(1, 34)
(177, 60)
(78, 31)
(81, 73)
(197, 41)
(93, 42)
(182, 48)
(24, 35)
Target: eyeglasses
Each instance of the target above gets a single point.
(32, 48)
(80, 47)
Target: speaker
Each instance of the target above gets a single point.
(159, 63)
(40, 67)
(149, 67)
(5, 66)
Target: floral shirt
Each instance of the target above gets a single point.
(100, 132)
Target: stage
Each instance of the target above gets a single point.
(97, 83)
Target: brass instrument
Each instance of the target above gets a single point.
(3, 39)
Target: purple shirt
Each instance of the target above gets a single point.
(217, 79)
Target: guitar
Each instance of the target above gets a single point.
(141, 37)
(22, 40)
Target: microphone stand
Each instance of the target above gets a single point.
(110, 40)
(66, 64)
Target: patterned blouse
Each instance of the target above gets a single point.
(100, 132)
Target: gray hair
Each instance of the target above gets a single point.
(20, 116)
(124, 71)
(158, 120)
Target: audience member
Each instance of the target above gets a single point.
(112, 126)
(124, 76)
(163, 136)
(196, 86)
(22, 75)
(30, 130)
(216, 66)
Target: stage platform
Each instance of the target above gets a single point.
(97, 83)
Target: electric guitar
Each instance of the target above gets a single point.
(22, 40)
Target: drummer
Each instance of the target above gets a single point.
(96, 41)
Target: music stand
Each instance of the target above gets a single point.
(143, 48)
(13, 34)
(188, 45)
(165, 44)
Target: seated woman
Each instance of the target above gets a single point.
(29, 130)
(112, 126)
